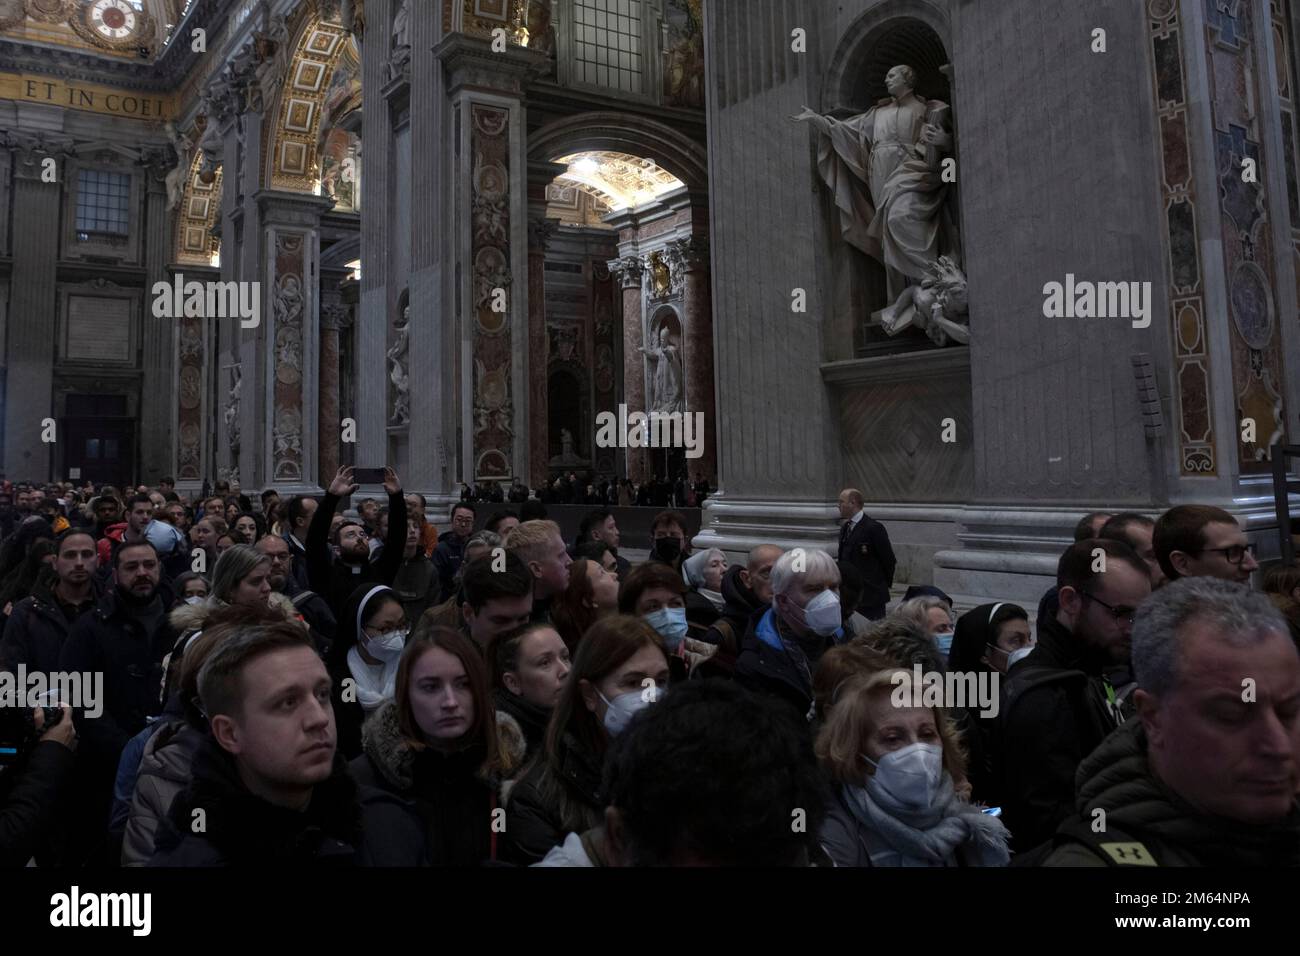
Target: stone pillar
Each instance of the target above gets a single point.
(628, 272)
(28, 393)
(486, 91)
(158, 343)
(690, 257)
(288, 346)
(332, 316)
(540, 231)
(778, 460)
(377, 240)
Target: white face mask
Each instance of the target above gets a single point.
(1018, 655)
(387, 646)
(822, 615)
(907, 777)
(621, 710)
(195, 599)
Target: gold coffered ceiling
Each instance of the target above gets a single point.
(619, 180)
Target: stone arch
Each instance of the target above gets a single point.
(915, 32)
(293, 122)
(199, 212)
(624, 133)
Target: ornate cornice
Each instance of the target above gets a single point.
(165, 74)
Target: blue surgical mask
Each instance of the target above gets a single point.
(944, 640)
(670, 622)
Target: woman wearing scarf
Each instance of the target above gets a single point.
(442, 746)
(363, 660)
(892, 768)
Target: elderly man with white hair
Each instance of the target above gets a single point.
(781, 648)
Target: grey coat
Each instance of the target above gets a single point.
(165, 771)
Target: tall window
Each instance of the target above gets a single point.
(103, 202)
(609, 39)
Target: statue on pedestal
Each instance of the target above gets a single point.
(667, 393)
(885, 169)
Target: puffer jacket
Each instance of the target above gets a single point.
(551, 800)
(449, 792)
(1146, 821)
(165, 771)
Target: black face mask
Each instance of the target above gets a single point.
(667, 550)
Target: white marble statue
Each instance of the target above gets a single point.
(176, 175)
(667, 393)
(232, 413)
(401, 55)
(884, 169)
(938, 306)
(398, 374)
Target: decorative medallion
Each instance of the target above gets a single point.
(1252, 304)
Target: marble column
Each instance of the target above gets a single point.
(539, 234)
(778, 459)
(285, 439)
(691, 257)
(28, 393)
(332, 315)
(378, 240)
(158, 343)
(629, 273)
(490, 251)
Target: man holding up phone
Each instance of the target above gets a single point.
(335, 579)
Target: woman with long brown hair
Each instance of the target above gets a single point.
(441, 745)
(592, 594)
(620, 667)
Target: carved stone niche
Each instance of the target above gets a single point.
(855, 83)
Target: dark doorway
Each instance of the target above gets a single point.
(98, 440)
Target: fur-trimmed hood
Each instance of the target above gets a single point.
(394, 758)
(194, 617)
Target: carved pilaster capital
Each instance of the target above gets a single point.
(627, 271)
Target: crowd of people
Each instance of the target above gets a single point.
(308, 683)
(573, 489)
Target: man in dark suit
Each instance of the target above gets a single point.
(864, 543)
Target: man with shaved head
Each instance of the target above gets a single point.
(864, 543)
(746, 591)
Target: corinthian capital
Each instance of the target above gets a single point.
(627, 271)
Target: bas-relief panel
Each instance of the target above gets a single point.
(684, 53)
(1232, 47)
(493, 426)
(893, 444)
(1196, 445)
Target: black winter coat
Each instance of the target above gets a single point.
(110, 640)
(334, 580)
(1054, 713)
(30, 801)
(455, 802)
(344, 825)
(36, 631)
(550, 801)
(447, 558)
(774, 672)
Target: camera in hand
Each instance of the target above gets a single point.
(368, 476)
